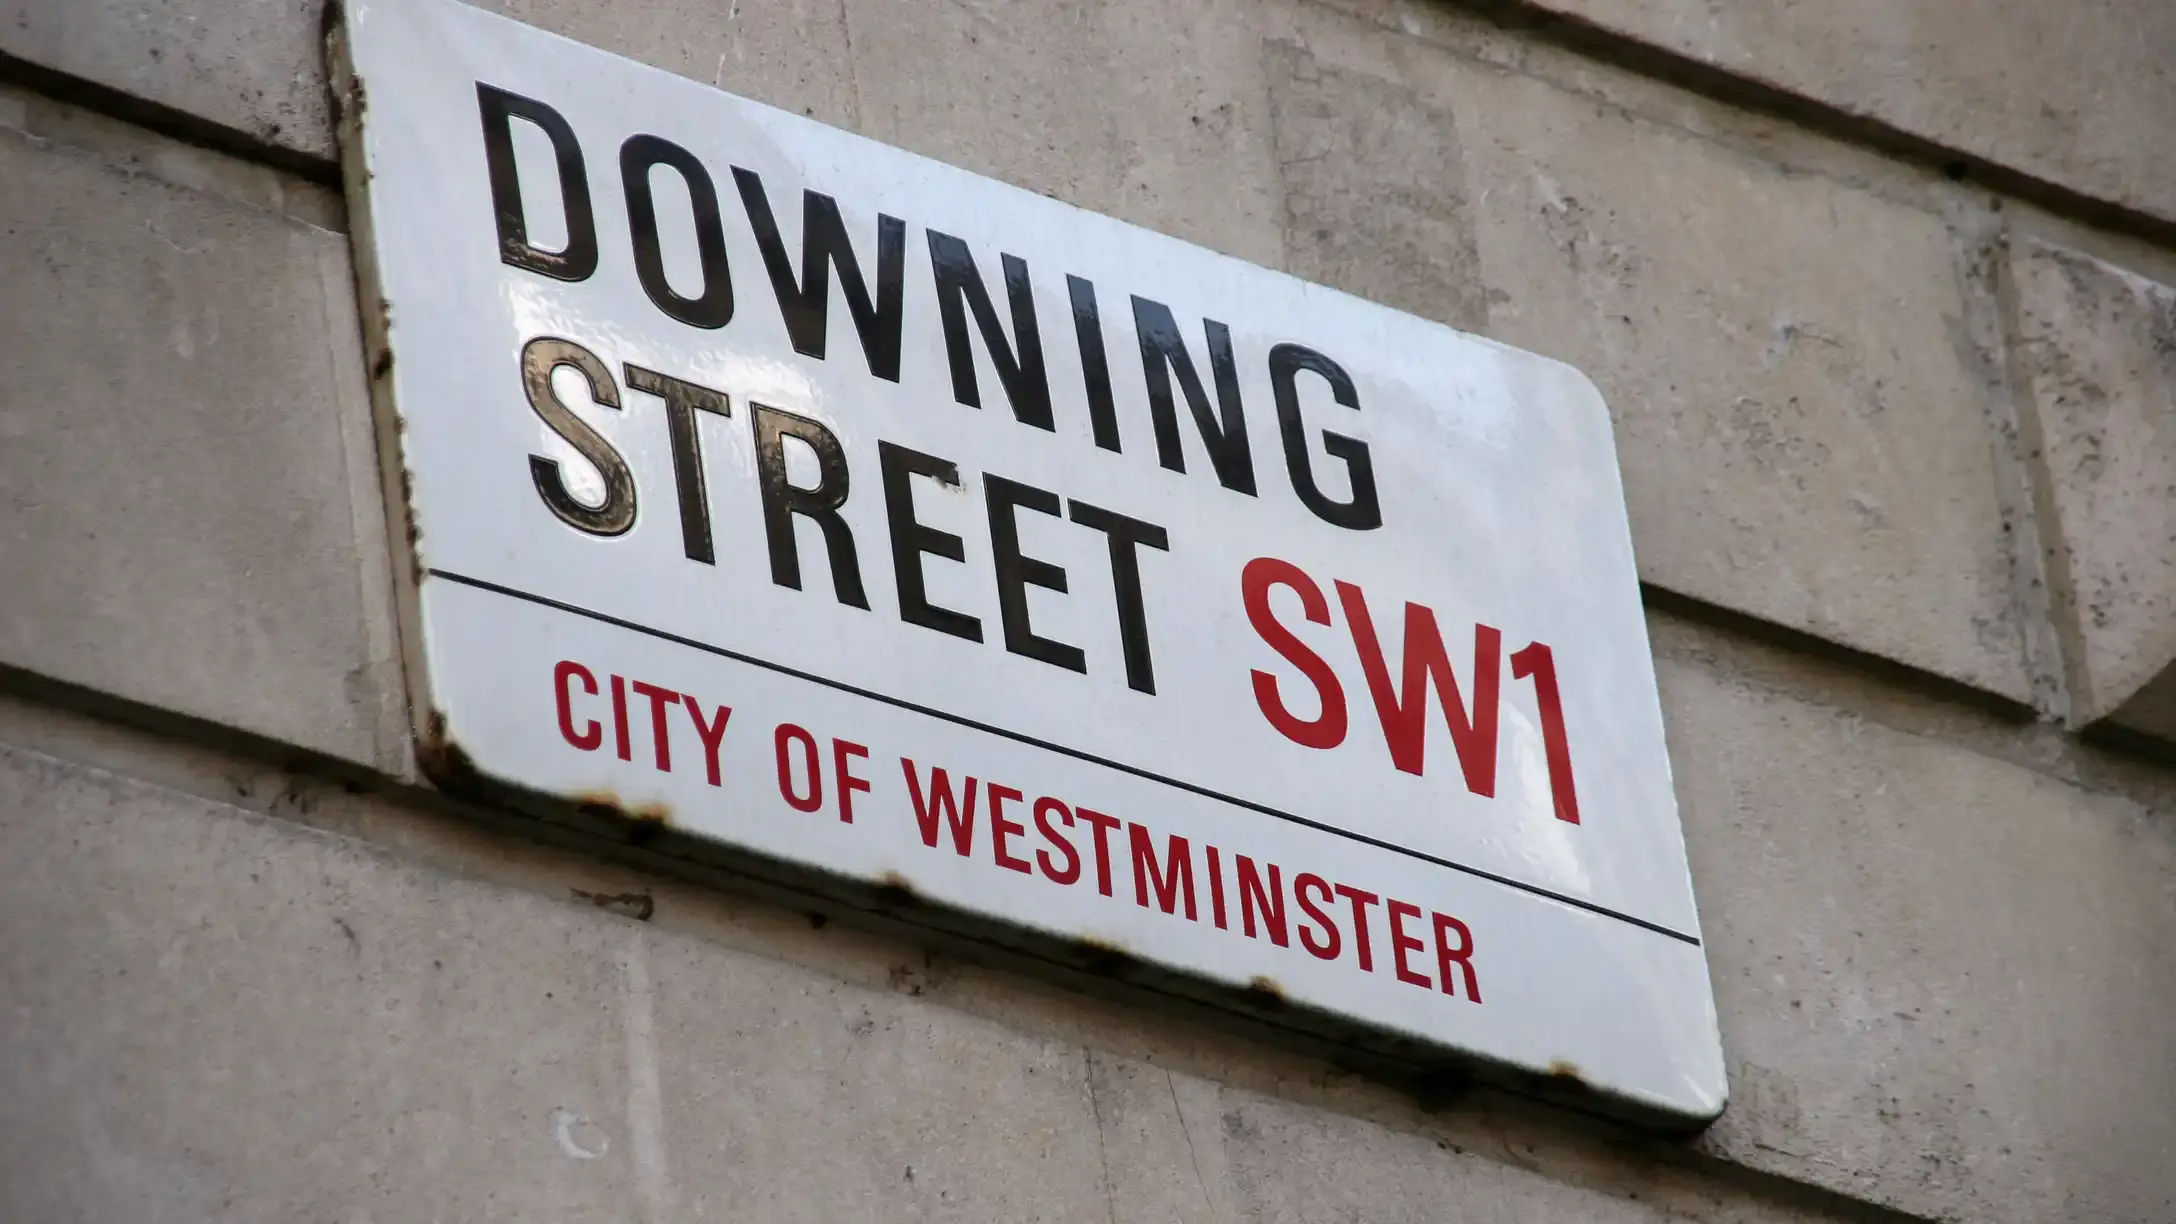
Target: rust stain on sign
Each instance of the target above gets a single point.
(895, 891)
(609, 804)
(1567, 1070)
(443, 758)
(1108, 957)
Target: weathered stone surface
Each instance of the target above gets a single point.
(257, 67)
(1997, 79)
(1016, 91)
(789, 1096)
(1942, 978)
(2076, 94)
(1194, 126)
(1802, 417)
(252, 66)
(1801, 434)
(790, 54)
(214, 1015)
(1278, 1156)
(1375, 200)
(215, 1018)
(192, 519)
(2096, 355)
(1140, 108)
(1137, 108)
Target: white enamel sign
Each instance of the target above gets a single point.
(862, 514)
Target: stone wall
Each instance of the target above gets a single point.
(1879, 292)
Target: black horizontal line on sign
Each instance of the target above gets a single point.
(1060, 749)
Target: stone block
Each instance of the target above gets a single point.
(1942, 978)
(2078, 95)
(1136, 108)
(218, 1015)
(192, 518)
(1995, 79)
(253, 67)
(791, 1096)
(1375, 198)
(792, 54)
(1801, 417)
(2096, 359)
(1176, 139)
(1015, 91)
(1184, 1148)
(1278, 1154)
(213, 1015)
(257, 67)
(1794, 361)
(1193, 118)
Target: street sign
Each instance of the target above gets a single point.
(860, 514)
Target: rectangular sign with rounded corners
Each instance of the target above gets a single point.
(864, 515)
